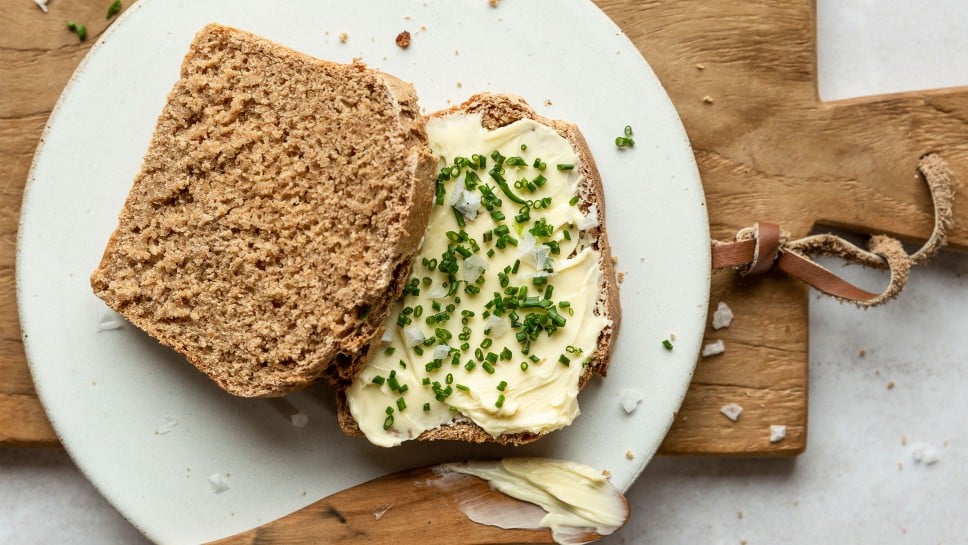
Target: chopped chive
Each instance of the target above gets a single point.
(379, 380)
(524, 147)
(389, 410)
(562, 359)
(524, 366)
(500, 401)
(388, 422)
(667, 344)
(401, 404)
(491, 357)
(488, 367)
(565, 166)
(487, 342)
(567, 234)
(449, 379)
(114, 9)
(418, 350)
(462, 387)
(534, 358)
(426, 407)
(470, 365)
(389, 351)
(506, 354)
(426, 381)
(573, 201)
(502, 385)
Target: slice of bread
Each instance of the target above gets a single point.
(498, 111)
(276, 214)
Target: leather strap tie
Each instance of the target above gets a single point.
(757, 249)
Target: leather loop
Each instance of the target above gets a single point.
(756, 250)
(767, 247)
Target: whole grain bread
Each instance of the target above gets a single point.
(498, 110)
(276, 214)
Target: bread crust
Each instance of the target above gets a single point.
(498, 110)
(263, 280)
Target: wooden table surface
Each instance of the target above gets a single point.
(743, 77)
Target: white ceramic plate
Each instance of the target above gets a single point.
(111, 395)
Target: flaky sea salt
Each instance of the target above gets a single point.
(777, 433)
(924, 453)
(630, 399)
(218, 483)
(42, 4)
(731, 411)
(168, 423)
(299, 420)
(723, 316)
(109, 320)
(713, 348)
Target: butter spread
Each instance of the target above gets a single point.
(500, 313)
(574, 497)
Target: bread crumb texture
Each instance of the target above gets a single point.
(275, 213)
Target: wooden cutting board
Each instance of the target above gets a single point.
(743, 77)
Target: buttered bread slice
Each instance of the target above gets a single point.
(512, 303)
(275, 216)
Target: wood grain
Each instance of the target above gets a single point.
(417, 504)
(768, 150)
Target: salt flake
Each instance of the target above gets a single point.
(299, 420)
(42, 4)
(109, 320)
(723, 316)
(218, 483)
(924, 453)
(777, 433)
(630, 399)
(713, 348)
(731, 411)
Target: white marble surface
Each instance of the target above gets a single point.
(859, 481)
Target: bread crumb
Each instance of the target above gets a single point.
(547, 102)
(700, 66)
(903, 440)
(713, 348)
(614, 259)
(423, 28)
(457, 52)
(731, 411)
(403, 40)
(723, 316)
(629, 455)
(494, 3)
(739, 514)
(707, 99)
(343, 37)
(777, 433)
(742, 542)
(900, 466)
(890, 385)
(672, 335)
(407, 17)
(862, 352)
(606, 473)
(459, 85)
(641, 259)
(621, 276)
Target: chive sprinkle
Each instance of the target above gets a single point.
(401, 404)
(667, 344)
(426, 407)
(502, 385)
(500, 401)
(388, 422)
(379, 380)
(562, 166)
(114, 9)
(564, 360)
(573, 201)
